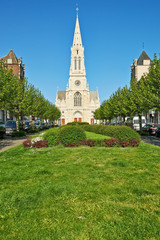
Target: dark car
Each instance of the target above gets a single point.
(158, 132)
(10, 127)
(153, 129)
(146, 127)
(2, 130)
(27, 126)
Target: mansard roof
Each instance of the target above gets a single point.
(61, 95)
(142, 57)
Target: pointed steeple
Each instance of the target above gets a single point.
(77, 67)
(77, 34)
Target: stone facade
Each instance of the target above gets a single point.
(77, 103)
(140, 67)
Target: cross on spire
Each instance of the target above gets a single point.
(77, 9)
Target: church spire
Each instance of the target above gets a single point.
(77, 41)
(77, 53)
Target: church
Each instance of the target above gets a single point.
(77, 103)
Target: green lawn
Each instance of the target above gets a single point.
(94, 136)
(80, 193)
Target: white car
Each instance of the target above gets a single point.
(136, 123)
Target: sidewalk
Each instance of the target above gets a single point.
(8, 143)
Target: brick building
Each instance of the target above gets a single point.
(18, 67)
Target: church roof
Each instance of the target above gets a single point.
(142, 57)
(93, 95)
(61, 95)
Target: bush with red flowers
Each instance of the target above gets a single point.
(39, 144)
(27, 143)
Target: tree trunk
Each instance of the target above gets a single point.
(123, 119)
(140, 123)
(116, 121)
(17, 122)
(33, 122)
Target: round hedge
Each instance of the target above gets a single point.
(51, 136)
(78, 123)
(71, 134)
(119, 132)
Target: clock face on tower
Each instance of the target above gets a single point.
(77, 82)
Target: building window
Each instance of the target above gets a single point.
(77, 99)
(9, 61)
(79, 64)
(75, 63)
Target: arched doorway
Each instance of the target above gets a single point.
(77, 116)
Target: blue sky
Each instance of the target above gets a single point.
(113, 32)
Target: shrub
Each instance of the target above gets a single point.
(33, 130)
(51, 136)
(40, 144)
(111, 142)
(72, 144)
(78, 123)
(90, 142)
(71, 134)
(18, 134)
(27, 143)
(119, 132)
(134, 142)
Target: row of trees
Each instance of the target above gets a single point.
(22, 99)
(137, 99)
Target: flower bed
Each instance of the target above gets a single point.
(37, 144)
(112, 142)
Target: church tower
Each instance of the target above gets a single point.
(77, 103)
(77, 68)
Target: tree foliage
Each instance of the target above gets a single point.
(137, 99)
(22, 98)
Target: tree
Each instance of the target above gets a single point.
(124, 102)
(6, 85)
(153, 80)
(141, 98)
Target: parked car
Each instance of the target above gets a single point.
(146, 127)
(37, 125)
(27, 126)
(2, 130)
(153, 129)
(136, 123)
(10, 127)
(158, 132)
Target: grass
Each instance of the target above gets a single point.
(80, 193)
(94, 136)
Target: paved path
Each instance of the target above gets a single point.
(9, 142)
(151, 140)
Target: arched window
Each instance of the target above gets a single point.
(75, 63)
(79, 64)
(77, 99)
